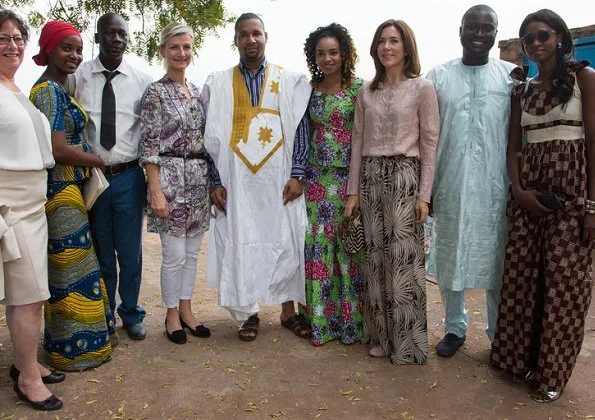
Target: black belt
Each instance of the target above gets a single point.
(204, 156)
(120, 167)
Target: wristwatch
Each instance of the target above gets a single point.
(301, 178)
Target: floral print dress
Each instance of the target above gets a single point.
(334, 280)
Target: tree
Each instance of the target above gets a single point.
(147, 17)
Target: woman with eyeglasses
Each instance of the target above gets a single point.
(79, 325)
(547, 281)
(179, 174)
(25, 154)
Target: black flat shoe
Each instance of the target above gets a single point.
(199, 331)
(177, 336)
(51, 404)
(53, 378)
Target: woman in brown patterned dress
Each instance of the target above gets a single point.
(547, 283)
(178, 173)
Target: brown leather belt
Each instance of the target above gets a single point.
(120, 167)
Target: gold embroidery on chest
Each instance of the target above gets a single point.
(256, 133)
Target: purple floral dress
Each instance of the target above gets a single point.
(172, 129)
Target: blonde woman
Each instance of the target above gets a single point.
(178, 174)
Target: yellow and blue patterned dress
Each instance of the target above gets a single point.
(79, 325)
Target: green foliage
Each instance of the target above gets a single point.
(146, 17)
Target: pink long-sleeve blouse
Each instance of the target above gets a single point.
(396, 120)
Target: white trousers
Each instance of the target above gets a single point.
(178, 268)
(242, 313)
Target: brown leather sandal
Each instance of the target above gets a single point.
(298, 325)
(250, 325)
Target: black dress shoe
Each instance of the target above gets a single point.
(51, 404)
(53, 378)
(199, 331)
(177, 336)
(448, 346)
(136, 331)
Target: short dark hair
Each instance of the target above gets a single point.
(8, 15)
(103, 19)
(479, 8)
(341, 34)
(246, 16)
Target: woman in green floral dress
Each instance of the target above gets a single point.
(334, 280)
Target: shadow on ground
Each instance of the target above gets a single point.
(280, 376)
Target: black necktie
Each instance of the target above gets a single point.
(108, 112)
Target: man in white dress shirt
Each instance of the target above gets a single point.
(110, 91)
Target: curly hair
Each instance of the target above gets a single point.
(9, 16)
(348, 51)
(562, 81)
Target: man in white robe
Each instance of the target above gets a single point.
(257, 135)
(471, 183)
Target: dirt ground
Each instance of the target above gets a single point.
(280, 376)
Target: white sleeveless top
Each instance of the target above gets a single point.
(562, 122)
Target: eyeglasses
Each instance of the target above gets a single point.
(18, 40)
(541, 36)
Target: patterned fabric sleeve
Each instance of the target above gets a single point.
(429, 130)
(301, 148)
(48, 99)
(151, 123)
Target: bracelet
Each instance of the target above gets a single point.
(589, 210)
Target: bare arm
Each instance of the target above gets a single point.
(526, 198)
(586, 83)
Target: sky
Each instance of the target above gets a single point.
(288, 23)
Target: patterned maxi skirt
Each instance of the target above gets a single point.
(79, 325)
(547, 285)
(334, 278)
(395, 298)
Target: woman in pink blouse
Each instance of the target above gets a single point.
(394, 139)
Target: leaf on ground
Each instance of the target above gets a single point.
(91, 402)
(434, 384)
(520, 403)
(95, 381)
(346, 391)
(145, 406)
(230, 370)
(590, 416)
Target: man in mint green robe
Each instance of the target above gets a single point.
(471, 184)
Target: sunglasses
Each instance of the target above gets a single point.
(541, 36)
